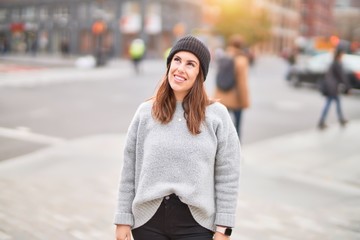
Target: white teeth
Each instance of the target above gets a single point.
(178, 78)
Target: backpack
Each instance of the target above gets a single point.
(225, 76)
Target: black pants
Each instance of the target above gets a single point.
(172, 221)
(238, 116)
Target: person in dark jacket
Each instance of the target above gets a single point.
(238, 98)
(330, 88)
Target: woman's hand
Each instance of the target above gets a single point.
(220, 236)
(123, 232)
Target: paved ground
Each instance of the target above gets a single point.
(44, 60)
(68, 191)
(56, 70)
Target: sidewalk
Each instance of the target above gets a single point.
(61, 62)
(39, 59)
(328, 158)
(51, 60)
(68, 191)
(64, 70)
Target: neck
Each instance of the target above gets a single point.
(179, 97)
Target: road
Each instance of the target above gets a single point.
(42, 108)
(80, 104)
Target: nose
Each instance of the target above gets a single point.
(180, 68)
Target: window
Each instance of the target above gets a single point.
(15, 14)
(28, 13)
(43, 13)
(82, 9)
(61, 15)
(3, 14)
(61, 12)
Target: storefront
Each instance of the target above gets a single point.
(52, 26)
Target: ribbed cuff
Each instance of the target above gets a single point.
(124, 218)
(224, 219)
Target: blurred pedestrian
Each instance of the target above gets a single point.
(291, 60)
(182, 158)
(34, 46)
(137, 52)
(3, 45)
(43, 42)
(166, 53)
(237, 98)
(330, 88)
(64, 47)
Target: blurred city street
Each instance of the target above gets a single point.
(62, 131)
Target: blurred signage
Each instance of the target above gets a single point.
(323, 43)
(130, 21)
(17, 27)
(153, 18)
(98, 27)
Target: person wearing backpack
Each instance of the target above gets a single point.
(234, 94)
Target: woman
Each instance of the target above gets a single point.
(236, 99)
(181, 159)
(330, 88)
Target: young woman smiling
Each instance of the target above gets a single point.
(181, 161)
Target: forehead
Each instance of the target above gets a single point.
(187, 56)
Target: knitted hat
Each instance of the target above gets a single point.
(195, 46)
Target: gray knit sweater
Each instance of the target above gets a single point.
(161, 159)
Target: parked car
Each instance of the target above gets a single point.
(313, 69)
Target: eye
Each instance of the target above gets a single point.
(191, 64)
(177, 59)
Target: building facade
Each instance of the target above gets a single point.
(82, 26)
(347, 20)
(317, 18)
(285, 22)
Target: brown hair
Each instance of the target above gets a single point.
(194, 103)
(236, 41)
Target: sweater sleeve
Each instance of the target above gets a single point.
(126, 191)
(227, 172)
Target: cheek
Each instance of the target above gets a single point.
(169, 75)
(194, 75)
(172, 68)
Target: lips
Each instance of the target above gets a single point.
(178, 78)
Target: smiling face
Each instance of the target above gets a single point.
(183, 72)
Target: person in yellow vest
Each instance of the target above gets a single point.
(166, 53)
(137, 52)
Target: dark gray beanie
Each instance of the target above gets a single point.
(195, 46)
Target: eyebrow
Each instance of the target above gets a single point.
(193, 61)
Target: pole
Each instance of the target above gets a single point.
(143, 4)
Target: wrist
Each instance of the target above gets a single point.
(123, 225)
(224, 230)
